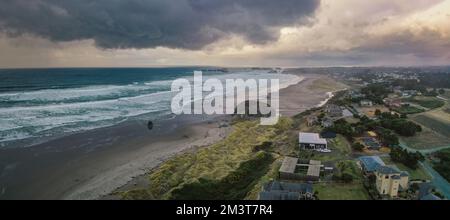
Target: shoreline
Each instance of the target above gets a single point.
(141, 180)
(92, 165)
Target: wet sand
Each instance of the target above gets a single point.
(92, 164)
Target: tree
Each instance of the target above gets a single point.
(387, 137)
(357, 146)
(401, 126)
(347, 178)
(409, 159)
(441, 91)
(377, 112)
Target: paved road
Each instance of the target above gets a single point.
(438, 181)
(440, 97)
(423, 151)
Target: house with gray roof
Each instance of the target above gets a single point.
(276, 190)
(370, 164)
(311, 141)
(294, 169)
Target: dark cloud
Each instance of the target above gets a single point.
(189, 24)
(428, 43)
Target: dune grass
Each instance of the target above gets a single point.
(326, 84)
(228, 169)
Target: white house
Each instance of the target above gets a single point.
(311, 141)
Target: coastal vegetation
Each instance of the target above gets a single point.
(405, 157)
(229, 169)
(347, 171)
(238, 166)
(376, 92)
(443, 163)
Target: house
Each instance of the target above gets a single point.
(347, 113)
(311, 120)
(327, 122)
(276, 190)
(311, 141)
(426, 192)
(371, 134)
(293, 169)
(365, 103)
(356, 95)
(288, 167)
(370, 164)
(371, 143)
(389, 180)
(334, 111)
(409, 93)
(393, 103)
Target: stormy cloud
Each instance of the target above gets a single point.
(187, 24)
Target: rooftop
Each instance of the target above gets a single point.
(289, 165)
(430, 196)
(371, 163)
(311, 138)
(289, 187)
(387, 170)
(314, 170)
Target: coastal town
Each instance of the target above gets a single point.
(358, 145)
(221, 108)
(369, 141)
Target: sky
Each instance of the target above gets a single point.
(284, 33)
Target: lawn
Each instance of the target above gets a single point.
(349, 168)
(409, 110)
(418, 173)
(340, 144)
(341, 191)
(435, 124)
(427, 102)
(340, 150)
(370, 111)
(426, 139)
(446, 94)
(447, 110)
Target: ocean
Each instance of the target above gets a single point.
(40, 104)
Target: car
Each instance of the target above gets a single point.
(324, 150)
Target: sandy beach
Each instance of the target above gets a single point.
(314, 90)
(90, 165)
